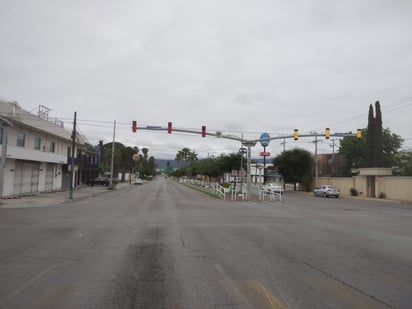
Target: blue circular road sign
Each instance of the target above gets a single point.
(264, 139)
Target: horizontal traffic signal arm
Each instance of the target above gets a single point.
(308, 135)
(218, 134)
(171, 129)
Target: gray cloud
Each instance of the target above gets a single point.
(236, 66)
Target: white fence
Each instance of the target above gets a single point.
(273, 196)
(217, 189)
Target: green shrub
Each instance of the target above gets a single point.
(353, 192)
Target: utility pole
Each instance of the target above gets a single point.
(284, 144)
(333, 156)
(316, 160)
(112, 160)
(72, 175)
(241, 165)
(249, 145)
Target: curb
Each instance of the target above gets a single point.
(362, 198)
(55, 198)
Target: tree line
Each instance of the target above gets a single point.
(127, 160)
(377, 147)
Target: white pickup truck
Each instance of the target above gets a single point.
(273, 187)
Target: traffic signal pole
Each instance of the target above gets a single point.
(247, 143)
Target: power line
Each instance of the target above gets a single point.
(387, 108)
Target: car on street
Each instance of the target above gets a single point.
(138, 181)
(101, 180)
(327, 191)
(273, 187)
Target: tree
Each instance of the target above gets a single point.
(295, 166)
(370, 140)
(227, 163)
(120, 164)
(391, 143)
(404, 160)
(146, 164)
(123, 159)
(185, 155)
(212, 167)
(374, 156)
(355, 150)
(207, 167)
(377, 151)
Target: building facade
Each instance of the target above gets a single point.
(37, 152)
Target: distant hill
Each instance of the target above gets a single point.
(162, 163)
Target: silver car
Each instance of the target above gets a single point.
(327, 191)
(138, 181)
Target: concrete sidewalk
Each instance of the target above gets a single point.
(56, 198)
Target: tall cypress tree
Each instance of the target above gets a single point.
(370, 139)
(374, 147)
(377, 150)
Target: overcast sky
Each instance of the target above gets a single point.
(236, 66)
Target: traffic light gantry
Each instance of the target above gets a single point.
(170, 129)
(203, 132)
(327, 134)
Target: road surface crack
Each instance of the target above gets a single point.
(346, 284)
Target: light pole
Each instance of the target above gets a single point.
(112, 158)
(249, 145)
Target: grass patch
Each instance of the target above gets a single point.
(200, 189)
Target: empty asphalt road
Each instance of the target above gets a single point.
(163, 245)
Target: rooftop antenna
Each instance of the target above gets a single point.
(43, 112)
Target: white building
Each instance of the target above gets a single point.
(37, 152)
(256, 175)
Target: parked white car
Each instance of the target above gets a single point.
(327, 191)
(273, 187)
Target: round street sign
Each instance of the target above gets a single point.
(264, 139)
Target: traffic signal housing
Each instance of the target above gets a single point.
(359, 133)
(134, 126)
(327, 133)
(169, 127)
(203, 131)
(296, 134)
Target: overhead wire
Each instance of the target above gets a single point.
(389, 108)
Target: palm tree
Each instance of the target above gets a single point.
(186, 155)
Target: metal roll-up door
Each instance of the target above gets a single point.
(26, 178)
(18, 174)
(49, 177)
(35, 178)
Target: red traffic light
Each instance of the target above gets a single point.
(169, 127)
(134, 126)
(203, 131)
